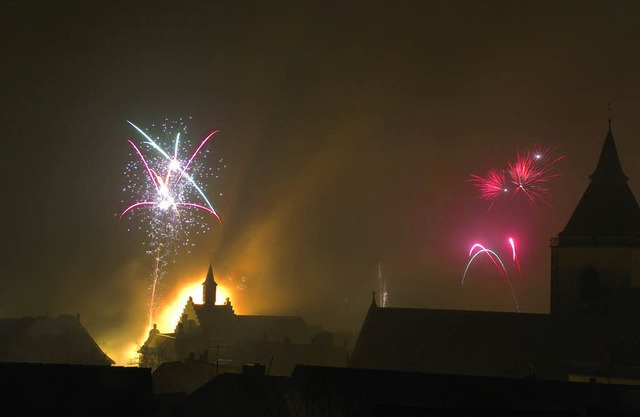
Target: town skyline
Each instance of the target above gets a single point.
(348, 132)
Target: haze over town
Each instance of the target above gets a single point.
(348, 133)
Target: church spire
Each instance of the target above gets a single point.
(608, 207)
(209, 287)
(609, 168)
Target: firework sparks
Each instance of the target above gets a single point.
(491, 186)
(514, 254)
(165, 195)
(383, 287)
(478, 249)
(475, 251)
(528, 175)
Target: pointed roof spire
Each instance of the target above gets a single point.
(373, 299)
(209, 287)
(609, 168)
(209, 278)
(608, 207)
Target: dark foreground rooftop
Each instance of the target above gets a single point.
(37, 389)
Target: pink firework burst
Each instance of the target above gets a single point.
(531, 172)
(491, 186)
(527, 175)
(165, 193)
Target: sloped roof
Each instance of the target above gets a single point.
(608, 207)
(239, 395)
(160, 340)
(209, 280)
(61, 340)
(222, 321)
(185, 377)
(212, 315)
(369, 392)
(458, 342)
(256, 327)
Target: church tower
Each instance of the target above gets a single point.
(595, 260)
(209, 287)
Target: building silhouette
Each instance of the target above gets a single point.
(38, 389)
(591, 333)
(214, 334)
(581, 359)
(46, 339)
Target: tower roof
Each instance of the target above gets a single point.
(608, 207)
(209, 279)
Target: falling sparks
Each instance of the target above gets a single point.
(476, 250)
(166, 194)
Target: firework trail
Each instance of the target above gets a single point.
(383, 287)
(528, 175)
(165, 196)
(514, 255)
(491, 254)
(476, 250)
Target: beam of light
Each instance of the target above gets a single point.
(499, 265)
(514, 255)
(170, 201)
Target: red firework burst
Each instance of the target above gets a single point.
(528, 174)
(492, 185)
(532, 170)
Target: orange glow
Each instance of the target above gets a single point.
(169, 314)
(130, 355)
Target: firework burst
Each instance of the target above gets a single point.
(492, 185)
(527, 175)
(166, 193)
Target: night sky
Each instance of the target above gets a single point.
(349, 131)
